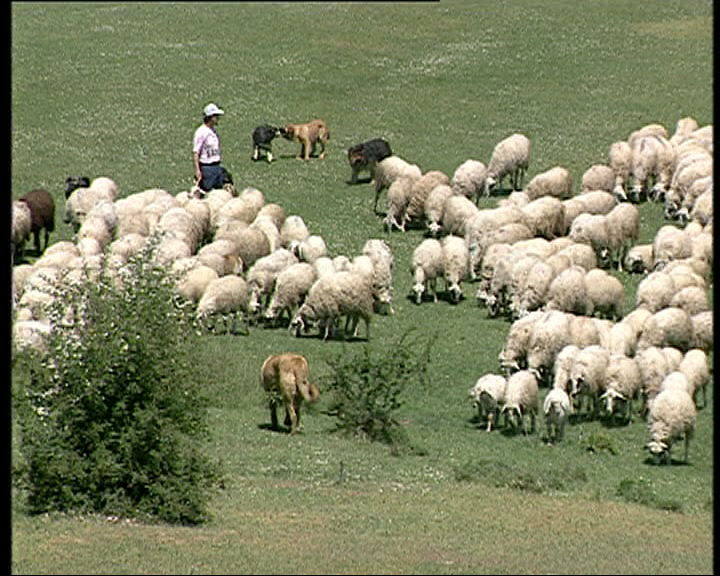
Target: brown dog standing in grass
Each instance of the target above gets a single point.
(309, 135)
(286, 379)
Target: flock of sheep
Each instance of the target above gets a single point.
(540, 258)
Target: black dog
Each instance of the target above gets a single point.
(71, 183)
(366, 155)
(262, 138)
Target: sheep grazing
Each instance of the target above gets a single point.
(557, 409)
(667, 327)
(291, 287)
(469, 179)
(653, 158)
(427, 266)
(488, 396)
(545, 217)
(193, 284)
(456, 261)
(622, 386)
(383, 264)
(510, 156)
(683, 129)
(435, 207)
(568, 292)
(398, 198)
(420, 191)
(513, 356)
(639, 259)
(587, 377)
(550, 334)
(672, 417)
(227, 296)
(598, 177)
(42, 215)
(390, 169)
(620, 160)
(605, 294)
(702, 325)
(593, 229)
(521, 399)
(286, 379)
(262, 275)
(312, 248)
(457, 215)
(556, 182)
(694, 366)
(670, 243)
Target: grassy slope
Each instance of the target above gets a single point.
(120, 96)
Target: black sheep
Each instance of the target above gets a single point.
(42, 215)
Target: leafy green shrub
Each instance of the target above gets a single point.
(600, 442)
(366, 387)
(112, 419)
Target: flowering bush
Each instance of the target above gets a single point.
(112, 419)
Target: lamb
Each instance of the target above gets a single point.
(457, 214)
(291, 286)
(469, 179)
(312, 248)
(456, 261)
(620, 160)
(262, 275)
(42, 215)
(545, 217)
(587, 376)
(694, 366)
(390, 169)
(671, 418)
(398, 197)
(702, 325)
(510, 156)
(521, 399)
(435, 207)
(605, 293)
(225, 296)
(331, 297)
(568, 292)
(557, 409)
(598, 177)
(421, 189)
(692, 299)
(286, 379)
(622, 386)
(556, 182)
(639, 259)
(488, 396)
(21, 227)
(667, 327)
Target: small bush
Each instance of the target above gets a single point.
(111, 419)
(366, 387)
(600, 442)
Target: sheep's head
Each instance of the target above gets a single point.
(619, 193)
(455, 292)
(659, 450)
(434, 228)
(302, 319)
(418, 289)
(682, 216)
(658, 192)
(610, 396)
(634, 264)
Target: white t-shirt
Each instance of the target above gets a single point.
(206, 143)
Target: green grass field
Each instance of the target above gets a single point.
(117, 90)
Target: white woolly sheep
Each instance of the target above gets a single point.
(563, 365)
(671, 418)
(647, 130)
(557, 409)
(511, 156)
(312, 248)
(291, 286)
(605, 293)
(493, 255)
(513, 355)
(670, 243)
(477, 227)
(330, 298)
(622, 386)
(702, 210)
(383, 263)
(620, 160)
(598, 177)
(653, 158)
(222, 256)
(589, 331)
(262, 275)
(516, 198)
(545, 217)
(653, 366)
(488, 396)
(568, 292)
(587, 377)
(293, 231)
(456, 263)
(390, 169)
(251, 244)
(81, 201)
(667, 327)
(683, 129)
(623, 230)
(639, 259)
(655, 291)
(695, 367)
(324, 266)
(192, 285)
(227, 296)
(398, 197)
(469, 179)
(692, 299)
(457, 214)
(580, 254)
(420, 191)
(622, 339)
(593, 229)
(435, 207)
(556, 182)
(550, 334)
(522, 398)
(532, 289)
(266, 225)
(702, 324)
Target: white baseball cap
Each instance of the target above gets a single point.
(212, 110)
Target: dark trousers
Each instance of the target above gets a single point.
(212, 176)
